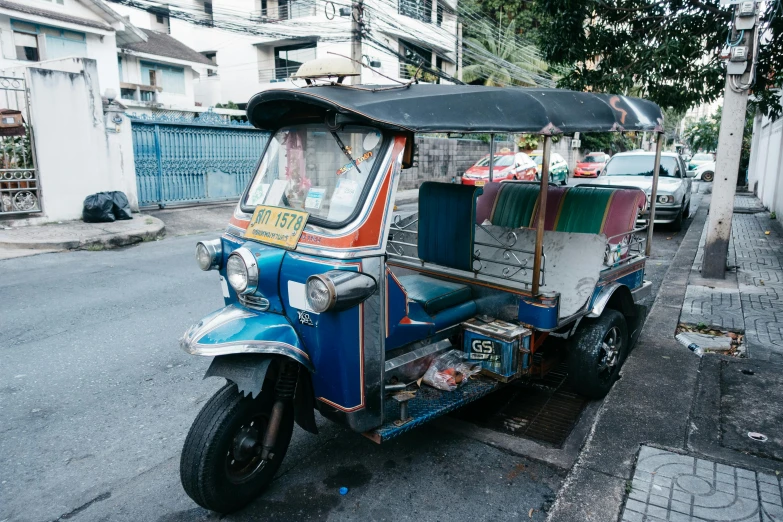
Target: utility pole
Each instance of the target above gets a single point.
(740, 72)
(459, 51)
(357, 25)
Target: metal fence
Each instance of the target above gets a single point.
(188, 160)
(19, 186)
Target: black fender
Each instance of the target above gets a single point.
(253, 372)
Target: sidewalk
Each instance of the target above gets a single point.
(72, 235)
(671, 440)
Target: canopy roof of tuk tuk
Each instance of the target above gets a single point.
(459, 109)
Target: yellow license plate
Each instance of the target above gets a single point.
(480, 183)
(277, 226)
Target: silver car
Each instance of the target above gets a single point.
(635, 169)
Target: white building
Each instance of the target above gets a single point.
(258, 44)
(159, 72)
(41, 32)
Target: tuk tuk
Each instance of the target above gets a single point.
(335, 303)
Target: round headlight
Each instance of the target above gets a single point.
(320, 293)
(209, 254)
(242, 271)
(665, 199)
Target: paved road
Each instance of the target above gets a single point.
(96, 399)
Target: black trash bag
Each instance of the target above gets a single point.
(98, 208)
(121, 207)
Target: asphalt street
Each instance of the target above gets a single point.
(96, 399)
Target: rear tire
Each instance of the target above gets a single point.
(564, 181)
(220, 467)
(596, 353)
(708, 176)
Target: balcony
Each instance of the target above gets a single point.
(284, 12)
(276, 74)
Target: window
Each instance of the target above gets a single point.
(119, 66)
(212, 57)
(306, 168)
(641, 165)
(439, 15)
(208, 10)
(60, 43)
(127, 94)
(290, 57)
(170, 79)
(160, 19)
(58, 2)
(414, 55)
(418, 9)
(26, 47)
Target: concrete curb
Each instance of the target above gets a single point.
(83, 236)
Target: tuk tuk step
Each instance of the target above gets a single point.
(429, 403)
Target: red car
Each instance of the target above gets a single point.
(591, 166)
(508, 166)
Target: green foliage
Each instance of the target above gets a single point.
(611, 142)
(528, 141)
(421, 74)
(17, 152)
(772, 215)
(228, 105)
(502, 43)
(669, 50)
(703, 134)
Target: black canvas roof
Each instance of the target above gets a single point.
(461, 108)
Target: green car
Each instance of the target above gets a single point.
(558, 167)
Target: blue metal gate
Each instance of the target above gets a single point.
(204, 159)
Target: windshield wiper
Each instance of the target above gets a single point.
(345, 150)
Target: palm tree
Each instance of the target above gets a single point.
(501, 58)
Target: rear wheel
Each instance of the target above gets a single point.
(708, 176)
(221, 466)
(597, 350)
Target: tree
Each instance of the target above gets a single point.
(501, 43)
(703, 134)
(668, 49)
(612, 142)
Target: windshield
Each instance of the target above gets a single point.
(640, 165)
(500, 161)
(538, 159)
(702, 157)
(594, 159)
(307, 167)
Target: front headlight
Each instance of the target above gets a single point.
(209, 254)
(338, 290)
(665, 199)
(242, 271)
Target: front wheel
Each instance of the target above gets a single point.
(597, 350)
(221, 466)
(708, 176)
(564, 181)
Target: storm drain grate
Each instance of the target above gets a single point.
(542, 410)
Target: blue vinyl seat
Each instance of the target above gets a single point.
(445, 302)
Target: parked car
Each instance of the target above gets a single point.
(591, 166)
(558, 167)
(635, 169)
(705, 172)
(508, 166)
(700, 159)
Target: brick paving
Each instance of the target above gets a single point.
(756, 305)
(671, 487)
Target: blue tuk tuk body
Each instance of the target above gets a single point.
(397, 291)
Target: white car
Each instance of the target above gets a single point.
(705, 172)
(635, 169)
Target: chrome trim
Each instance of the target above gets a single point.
(259, 347)
(250, 266)
(642, 292)
(254, 302)
(212, 321)
(215, 250)
(603, 298)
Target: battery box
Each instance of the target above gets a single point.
(502, 349)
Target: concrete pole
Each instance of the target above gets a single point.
(357, 13)
(732, 126)
(459, 51)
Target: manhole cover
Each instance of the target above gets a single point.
(539, 410)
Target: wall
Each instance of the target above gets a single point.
(76, 156)
(765, 172)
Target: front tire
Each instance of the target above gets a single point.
(597, 351)
(708, 176)
(220, 467)
(676, 225)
